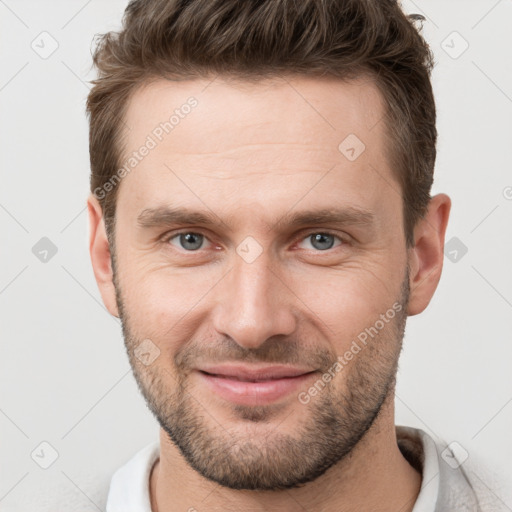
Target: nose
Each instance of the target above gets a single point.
(254, 303)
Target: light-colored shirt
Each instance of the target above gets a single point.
(445, 485)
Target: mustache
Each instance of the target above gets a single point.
(275, 350)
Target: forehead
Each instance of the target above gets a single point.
(263, 143)
(299, 108)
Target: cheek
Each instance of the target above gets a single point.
(344, 303)
(162, 302)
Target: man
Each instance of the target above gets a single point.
(261, 222)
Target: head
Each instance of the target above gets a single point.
(260, 195)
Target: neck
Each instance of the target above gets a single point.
(375, 475)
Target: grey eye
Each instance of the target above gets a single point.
(189, 241)
(322, 241)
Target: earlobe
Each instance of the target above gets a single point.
(99, 251)
(426, 257)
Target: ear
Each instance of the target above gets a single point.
(100, 255)
(427, 254)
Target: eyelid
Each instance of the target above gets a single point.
(309, 231)
(167, 237)
(344, 239)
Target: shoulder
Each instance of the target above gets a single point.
(123, 489)
(451, 479)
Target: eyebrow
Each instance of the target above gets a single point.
(166, 216)
(163, 216)
(348, 215)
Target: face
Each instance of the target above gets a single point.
(248, 237)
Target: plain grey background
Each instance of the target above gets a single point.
(64, 375)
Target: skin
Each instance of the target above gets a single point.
(250, 153)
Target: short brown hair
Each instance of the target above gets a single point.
(252, 39)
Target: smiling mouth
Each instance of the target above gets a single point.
(251, 387)
(246, 379)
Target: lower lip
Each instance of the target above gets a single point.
(254, 393)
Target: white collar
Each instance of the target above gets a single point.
(129, 487)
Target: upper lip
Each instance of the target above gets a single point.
(249, 373)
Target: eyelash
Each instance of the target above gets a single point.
(169, 236)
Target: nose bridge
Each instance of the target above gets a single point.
(254, 305)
